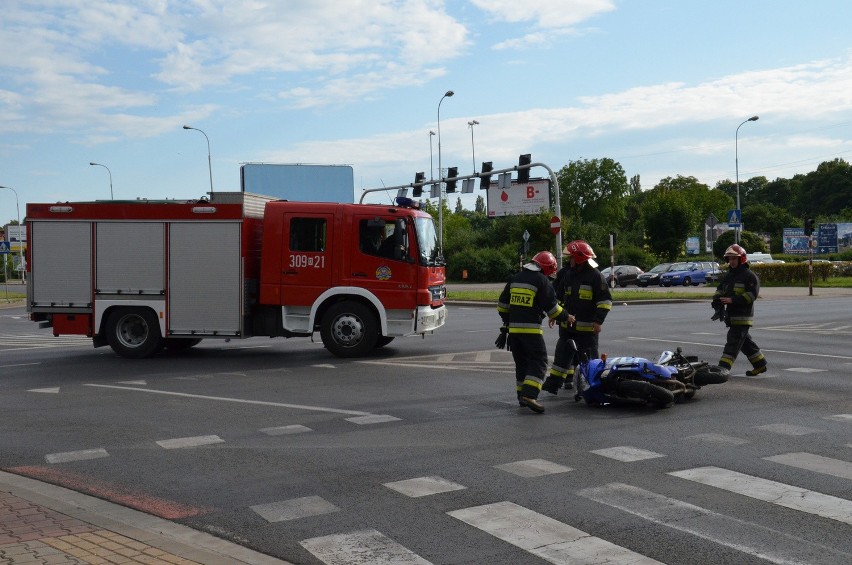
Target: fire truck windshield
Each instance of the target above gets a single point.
(427, 242)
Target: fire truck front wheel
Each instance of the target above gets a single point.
(133, 332)
(349, 329)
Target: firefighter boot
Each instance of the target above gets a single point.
(756, 371)
(552, 384)
(533, 404)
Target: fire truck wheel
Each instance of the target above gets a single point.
(383, 340)
(175, 344)
(134, 332)
(349, 329)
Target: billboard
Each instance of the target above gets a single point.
(520, 199)
(794, 241)
(305, 183)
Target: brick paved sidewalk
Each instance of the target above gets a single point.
(43, 524)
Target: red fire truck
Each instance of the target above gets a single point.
(144, 275)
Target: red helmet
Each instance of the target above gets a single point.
(581, 252)
(546, 261)
(737, 251)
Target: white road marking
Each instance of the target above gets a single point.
(840, 417)
(364, 547)
(750, 538)
(373, 419)
(81, 455)
(545, 537)
(805, 370)
(52, 390)
(719, 438)
(183, 442)
(802, 353)
(424, 486)
(627, 454)
(294, 509)
(286, 430)
(17, 364)
(787, 496)
(533, 468)
(238, 400)
(325, 366)
(816, 463)
(788, 429)
(138, 383)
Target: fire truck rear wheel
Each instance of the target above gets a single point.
(349, 329)
(134, 332)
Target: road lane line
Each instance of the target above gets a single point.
(750, 538)
(184, 442)
(545, 537)
(237, 400)
(787, 496)
(294, 509)
(627, 454)
(423, 486)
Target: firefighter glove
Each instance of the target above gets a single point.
(502, 341)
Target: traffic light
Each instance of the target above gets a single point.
(484, 177)
(452, 173)
(419, 179)
(809, 226)
(524, 174)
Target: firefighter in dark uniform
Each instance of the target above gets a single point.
(527, 298)
(737, 292)
(584, 293)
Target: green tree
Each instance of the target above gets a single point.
(593, 191)
(827, 189)
(668, 219)
(480, 205)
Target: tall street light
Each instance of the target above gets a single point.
(20, 233)
(737, 165)
(110, 178)
(431, 166)
(440, 179)
(209, 165)
(472, 148)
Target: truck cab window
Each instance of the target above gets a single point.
(307, 234)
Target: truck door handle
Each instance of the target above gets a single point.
(359, 275)
(292, 273)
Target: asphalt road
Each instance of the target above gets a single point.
(420, 454)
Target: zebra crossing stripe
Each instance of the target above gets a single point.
(545, 537)
(365, 547)
(81, 455)
(816, 463)
(787, 496)
(753, 539)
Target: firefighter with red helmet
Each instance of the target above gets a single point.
(737, 292)
(525, 301)
(583, 291)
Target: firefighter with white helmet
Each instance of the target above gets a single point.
(583, 291)
(525, 301)
(737, 292)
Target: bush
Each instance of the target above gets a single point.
(483, 265)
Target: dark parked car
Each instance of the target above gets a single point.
(624, 275)
(653, 276)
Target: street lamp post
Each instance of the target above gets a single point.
(209, 164)
(472, 148)
(737, 165)
(20, 234)
(110, 178)
(440, 179)
(431, 166)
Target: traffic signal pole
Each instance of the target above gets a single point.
(525, 167)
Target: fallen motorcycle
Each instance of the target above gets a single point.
(638, 380)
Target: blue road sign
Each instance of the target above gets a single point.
(735, 218)
(5, 247)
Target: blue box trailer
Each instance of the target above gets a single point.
(299, 182)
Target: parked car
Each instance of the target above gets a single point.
(624, 275)
(653, 276)
(691, 273)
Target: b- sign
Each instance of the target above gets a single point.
(734, 218)
(5, 247)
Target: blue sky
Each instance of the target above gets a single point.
(659, 86)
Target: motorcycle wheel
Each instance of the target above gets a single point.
(710, 375)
